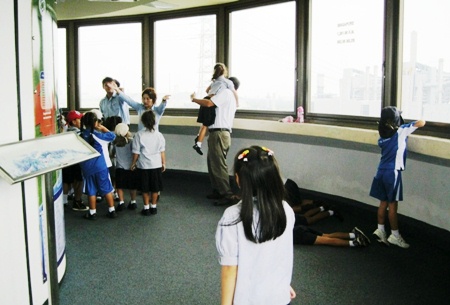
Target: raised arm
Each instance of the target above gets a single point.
(419, 123)
(201, 102)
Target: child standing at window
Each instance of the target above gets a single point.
(149, 158)
(95, 171)
(387, 184)
(254, 237)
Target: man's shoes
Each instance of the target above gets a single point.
(90, 216)
(198, 149)
(146, 212)
(215, 195)
(153, 211)
(79, 206)
(398, 241)
(112, 214)
(228, 200)
(120, 207)
(381, 236)
(132, 206)
(360, 234)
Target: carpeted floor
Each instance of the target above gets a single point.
(170, 258)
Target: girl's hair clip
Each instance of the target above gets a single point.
(269, 152)
(243, 155)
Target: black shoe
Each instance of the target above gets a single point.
(337, 214)
(198, 149)
(112, 214)
(359, 243)
(90, 216)
(99, 198)
(153, 211)
(360, 235)
(79, 206)
(132, 206)
(145, 212)
(120, 207)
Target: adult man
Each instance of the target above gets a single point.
(113, 104)
(219, 141)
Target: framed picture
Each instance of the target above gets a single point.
(23, 160)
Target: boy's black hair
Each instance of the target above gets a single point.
(390, 121)
(235, 81)
(148, 120)
(88, 123)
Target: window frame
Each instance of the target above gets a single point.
(391, 56)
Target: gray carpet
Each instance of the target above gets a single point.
(170, 258)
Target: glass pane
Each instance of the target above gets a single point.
(61, 62)
(426, 61)
(185, 54)
(262, 49)
(346, 57)
(109, 50)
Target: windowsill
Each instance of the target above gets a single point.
(424, 145)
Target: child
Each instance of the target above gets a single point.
(125, 177)
(306, 236)
(148, 103)
(111, 123)
(95, 172)
(206, 115)
(387, 184)
(71, 175)
(254, 237)
(149, 158)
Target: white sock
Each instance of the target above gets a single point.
(146, 206)
(111, 209)
(153, 206)
(199, 144)
(351, 235)
(133, 201)
(121, 202)
(322, 209)
(396, 233)
(92, 212)
(381, 228)
(351, 243)
(331, 212)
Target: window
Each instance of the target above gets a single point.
(61, 62)
(262, 56)
(346, 57)
(185, 54)
(426, 61)
(109, 50)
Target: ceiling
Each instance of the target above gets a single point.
(84, 9)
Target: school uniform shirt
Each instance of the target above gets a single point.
(220, 83)
(117, 105)
(393, 149)
(94, 165)
(148, 145)
(265, 269)
(140, 109)
(124, 156)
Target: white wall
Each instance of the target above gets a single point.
(329, 159)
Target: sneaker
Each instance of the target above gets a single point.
(145, 212)
(79, 206)
(197, 149)
(90, 216)
(120, 207)
(153, 211)
(398, 241)
(360, 234)
(112, 214)
(381, 236)
(132, 206)
(359, 243)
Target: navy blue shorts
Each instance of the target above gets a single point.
(71, 174)
(387, 185)
(305, 236)
(98, 183)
